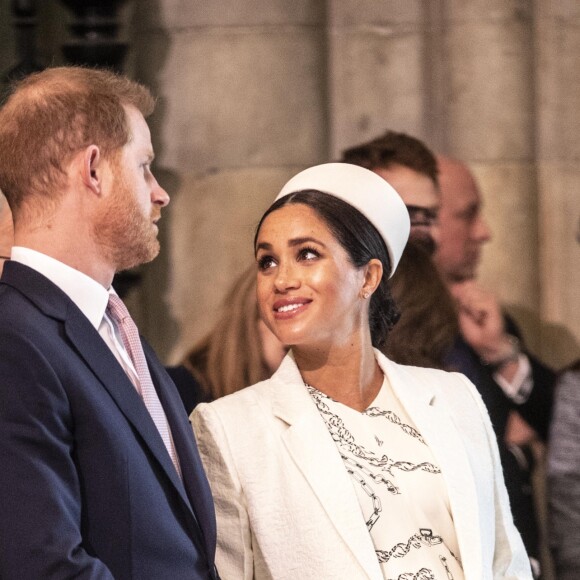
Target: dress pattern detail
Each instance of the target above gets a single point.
(423, 538)
(392, 417)
(399, 486)
(345, 440)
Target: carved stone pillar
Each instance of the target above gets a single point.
(558, 151)
(486, 91)
(242, 88)
(377, 59)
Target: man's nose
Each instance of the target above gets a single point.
(481, 231)
(158, 195)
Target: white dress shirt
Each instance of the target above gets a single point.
(522, 383)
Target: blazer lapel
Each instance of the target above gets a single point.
(430, 414)
(315, 453)
(103, 363)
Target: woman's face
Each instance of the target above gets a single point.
(309, 292)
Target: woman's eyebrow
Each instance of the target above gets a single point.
(304, 240)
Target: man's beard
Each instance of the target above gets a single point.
(126, 236)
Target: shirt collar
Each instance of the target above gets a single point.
(89, 296)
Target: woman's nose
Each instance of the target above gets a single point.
(286, 278)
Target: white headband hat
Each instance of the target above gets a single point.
(365, 191)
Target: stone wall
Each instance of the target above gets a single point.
(250, 91)
(243, 93)
(558, 173)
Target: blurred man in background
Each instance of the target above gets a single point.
(515, 386)
(445, 208)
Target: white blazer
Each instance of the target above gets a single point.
(286, 507)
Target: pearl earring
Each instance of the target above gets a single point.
(366, 294)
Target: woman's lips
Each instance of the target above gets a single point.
(289, 308)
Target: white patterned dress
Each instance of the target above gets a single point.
(400, 488)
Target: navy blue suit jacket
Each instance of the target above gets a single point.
(87, 488)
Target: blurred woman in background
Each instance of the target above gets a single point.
(239, 351)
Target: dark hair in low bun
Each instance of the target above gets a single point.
(361, 241)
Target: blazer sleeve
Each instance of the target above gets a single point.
(510, 560)
(234, 556)
(40, 511)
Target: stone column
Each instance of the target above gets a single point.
(558, 149)
(378, 73)
(242, 88)
(486, 91)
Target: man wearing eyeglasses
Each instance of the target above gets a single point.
(445, 209)
(516, 387)
(410, 167)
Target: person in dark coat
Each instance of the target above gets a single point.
(101, 477)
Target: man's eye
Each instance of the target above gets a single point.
(422, 216)
(469, 216)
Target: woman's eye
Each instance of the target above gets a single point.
(266, 262)
(308, 254)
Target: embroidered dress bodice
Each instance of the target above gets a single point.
(399, 486)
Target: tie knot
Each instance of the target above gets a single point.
(117, 309)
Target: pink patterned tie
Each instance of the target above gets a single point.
(120, 315)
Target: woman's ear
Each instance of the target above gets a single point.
(91, 168)
(373, 274)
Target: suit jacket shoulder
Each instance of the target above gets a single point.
(86, 461)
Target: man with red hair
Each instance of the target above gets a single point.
(101, 476)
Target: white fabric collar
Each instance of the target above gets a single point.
(89, 296)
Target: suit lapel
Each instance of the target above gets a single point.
(99, 358)
(315, 453)
(89, 345)
(194, 479)
(429, 412)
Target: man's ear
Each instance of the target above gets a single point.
(91, 168)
